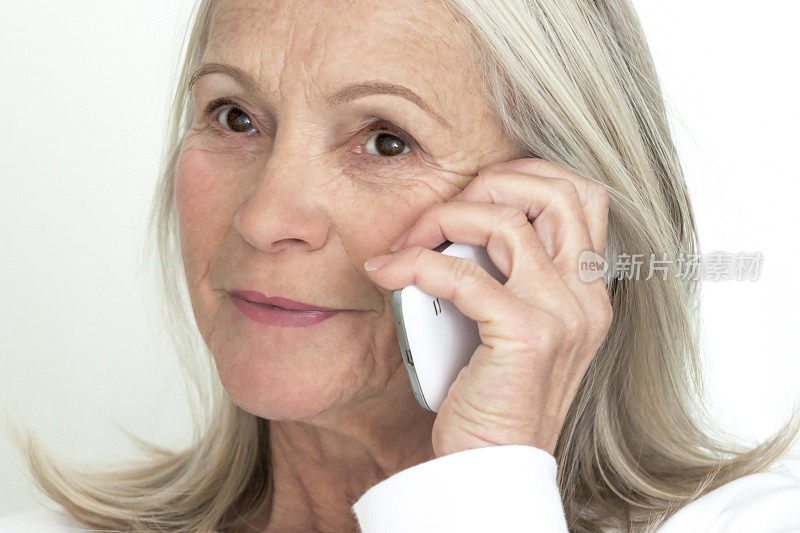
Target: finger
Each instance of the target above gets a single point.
(510, 241)
(594, 198)
(462, 281)
(593, 195)
(552, 204)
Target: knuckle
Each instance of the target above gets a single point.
(543, 332)
(600, 194)
(601, 314)
(605, 313)
(597, 196)
(574, 320)
(438, 208)
(416, 252)
(474, 185)
(566, 188)
(463, 270)
(484, 180)
(481, 178)
(434, 212)
(497, 166)
(534, 165)
(512, 216)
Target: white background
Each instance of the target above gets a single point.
(85, 87)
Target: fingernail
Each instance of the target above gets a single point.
(379, 261)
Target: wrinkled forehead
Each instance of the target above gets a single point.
(334, 42)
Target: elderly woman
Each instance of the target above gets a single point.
(308, 137)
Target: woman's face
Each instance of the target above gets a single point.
(360, 116)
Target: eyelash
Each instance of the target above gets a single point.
(377, 125)
(385, 126)
(213, 106)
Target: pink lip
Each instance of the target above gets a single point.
(277, 301)
(263, 310)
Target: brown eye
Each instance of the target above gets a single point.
(386, 145)
(236, 120)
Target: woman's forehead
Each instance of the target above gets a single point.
(315, 48)
(332, 39)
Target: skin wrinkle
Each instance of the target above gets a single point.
(295, 210)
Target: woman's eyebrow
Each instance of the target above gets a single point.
(357, 90)
(345, 94)
(240, 76)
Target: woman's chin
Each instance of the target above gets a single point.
(278, 403)
(274, 390)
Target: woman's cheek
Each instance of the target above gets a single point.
(194, 186)
(384, 200)
(395, 180)
(200, 200)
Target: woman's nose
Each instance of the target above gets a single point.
(281, 212)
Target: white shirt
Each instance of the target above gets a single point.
(513, 489)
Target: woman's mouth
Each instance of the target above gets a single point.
(259, 308)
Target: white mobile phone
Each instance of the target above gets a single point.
(436, 339)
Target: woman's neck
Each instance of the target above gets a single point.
(322, 465)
